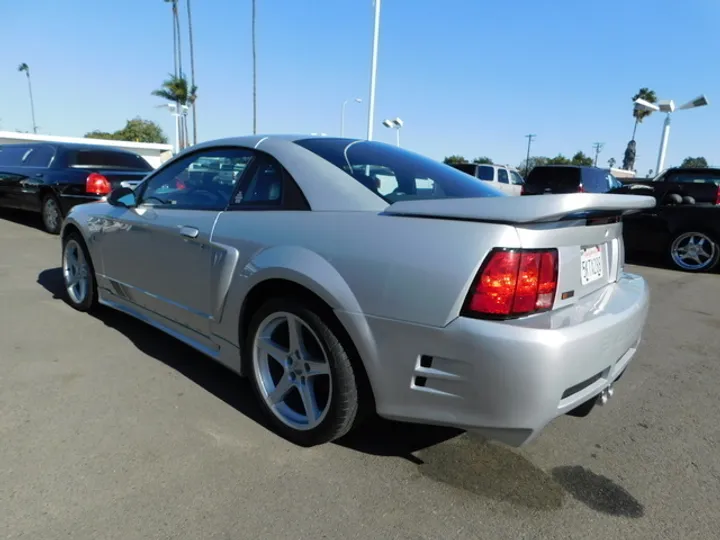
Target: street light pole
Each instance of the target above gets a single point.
(395, 124)
(667, 106)
(342, 115)
(373, 71)
(530, 138)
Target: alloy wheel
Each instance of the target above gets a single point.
(75, 272)
(292, 371)
(693, 251)
(51, 214)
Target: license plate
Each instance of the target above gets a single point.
(591, 268)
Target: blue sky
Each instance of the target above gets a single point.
(469, 77)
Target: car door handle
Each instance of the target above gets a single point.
(189, 232)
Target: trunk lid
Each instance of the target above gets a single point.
(586, 229)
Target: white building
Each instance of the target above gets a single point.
(154, 153)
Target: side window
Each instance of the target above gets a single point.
(40, 156)
(13, 154)
(503, 176)
(486, 173)
(265, 185)
(516, 179)
(202, 181)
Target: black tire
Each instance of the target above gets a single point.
(89, 302)
(709, 266)
(344, 409)
(51, 214)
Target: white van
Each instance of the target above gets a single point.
(506, 179)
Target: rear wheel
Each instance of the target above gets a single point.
(694, 252)
(78, 274)
(301, 372)
(51, 214)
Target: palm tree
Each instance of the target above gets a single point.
(176, 90)
(26, 69)
(639, 115)
(192, 71)
(254, 62)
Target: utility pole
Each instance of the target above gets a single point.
(530, 138)
(598, 146)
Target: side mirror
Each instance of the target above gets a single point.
(122, 196)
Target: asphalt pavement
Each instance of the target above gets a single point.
(111, 430)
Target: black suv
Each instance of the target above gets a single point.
(570, 179)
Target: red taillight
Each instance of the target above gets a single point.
(717, 196)
(97, 184)
(514, 282)
(522, 190)
(581, 189)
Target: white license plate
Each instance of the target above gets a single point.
(591, 267)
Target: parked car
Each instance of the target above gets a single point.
(506, 179)
(546, 179)
(442, 302)
(686, 235)
(51, 178)
(700, 185)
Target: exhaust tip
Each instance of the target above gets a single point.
(605, 395)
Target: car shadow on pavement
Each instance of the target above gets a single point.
(28, 219)
(377, 437)
(449, 456)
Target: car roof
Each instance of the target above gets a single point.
(72, 146)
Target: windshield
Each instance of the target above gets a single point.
(396, 174)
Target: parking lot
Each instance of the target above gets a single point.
(110, 429)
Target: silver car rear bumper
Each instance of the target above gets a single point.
(507, 379)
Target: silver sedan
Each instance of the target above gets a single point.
(346, 277)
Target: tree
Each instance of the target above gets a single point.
(528, 165)
(611, 162)
(697, 162)
(136, 130)
(581, 159)
(482, 160)
(192, 70)
(176, 90)
(24, 68)
(254, 69)
(639, 115)
(558, 160)
(451, 160)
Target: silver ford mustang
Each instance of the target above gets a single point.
(346, 277)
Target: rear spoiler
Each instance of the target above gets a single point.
(541, 208)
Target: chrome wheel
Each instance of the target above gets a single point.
(693, 251)
(292, 371)
(76, 272)
(51, 214)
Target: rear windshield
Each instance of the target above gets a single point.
(396, 174)
(107, 159)
(554, 177)
(693, 177)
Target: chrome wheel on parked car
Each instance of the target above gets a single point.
(694, 252)
(292, 371)
(51, 215)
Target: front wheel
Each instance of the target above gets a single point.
(301, 373)
(694, 252)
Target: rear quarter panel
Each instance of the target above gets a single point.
(409, 269)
